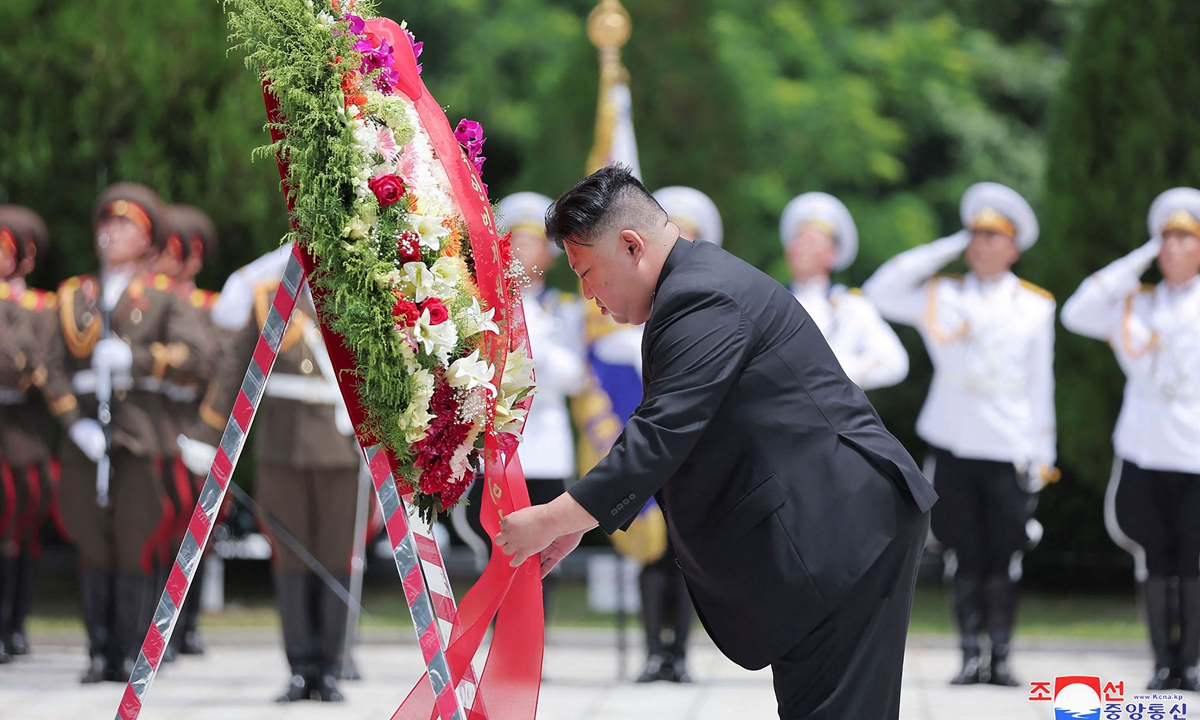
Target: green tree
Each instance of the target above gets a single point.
(108, 90)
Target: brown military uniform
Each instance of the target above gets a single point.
(307, 474)
(26, 428)
(167, 344)
(19, 357)
(306, 470)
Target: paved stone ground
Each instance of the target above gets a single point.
(244, 669)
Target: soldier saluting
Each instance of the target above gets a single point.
(1153, 500)
(121, 333)
(989, 416)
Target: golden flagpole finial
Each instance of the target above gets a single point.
(609, 27)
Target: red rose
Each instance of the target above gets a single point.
(387, 188)
(406, 312)
(409, 246)
(438, 313)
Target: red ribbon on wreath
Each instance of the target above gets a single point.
(511, 679)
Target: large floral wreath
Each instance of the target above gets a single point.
(372, 202)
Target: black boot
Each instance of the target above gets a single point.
(1189, 634)
(96, 595)
(8, 583)
(292, 595)
(331, 637)
(1156, 592)
(968, 612)
(186, 639)
(132, 598)
(22, 597)
(682, 614)
(1000, 594)
(652, 582)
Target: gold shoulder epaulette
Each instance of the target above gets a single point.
(957, 277)
(5, 291)
(202, 299)
(856, 291)
(1039, 290)
(161, 283)
(1146, 288)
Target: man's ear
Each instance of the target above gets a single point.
(633, 245)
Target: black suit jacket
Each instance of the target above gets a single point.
(779, 482)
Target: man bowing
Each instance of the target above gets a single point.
(797, 518)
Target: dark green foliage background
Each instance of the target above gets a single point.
(894, 107)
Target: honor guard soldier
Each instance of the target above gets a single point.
(121, 333)
(26, 428)
(192, 241)
(819, 238)
(307, 465)
(1152, 507)
(555, 323)
(989, 415)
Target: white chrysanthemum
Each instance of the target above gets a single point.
(470, 372)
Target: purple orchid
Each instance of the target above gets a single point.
(470, 134)
(357, 24)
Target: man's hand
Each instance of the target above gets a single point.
(525, 533)
(560, 524)
(558, 550)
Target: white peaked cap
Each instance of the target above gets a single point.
(828, 210)
(524, 211)
(691, 207)
(984, 196)
(1171, 202)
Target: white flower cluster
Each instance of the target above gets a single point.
(379, 131)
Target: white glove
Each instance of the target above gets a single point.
(112, 354)
(342, 421)
(89, 436)
(197, 456)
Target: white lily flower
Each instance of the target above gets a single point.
(518, 374)
(446, 271)
(474, 320)
(430, 229)
(416, 281)
(470, 372)
(356, 228)
(437, 340)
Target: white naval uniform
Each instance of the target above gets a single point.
(992, 348)
(867, 348)
(555, 323)
(1155, 333)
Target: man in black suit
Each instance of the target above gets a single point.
(797, 518)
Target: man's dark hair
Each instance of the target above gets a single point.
(588, 211)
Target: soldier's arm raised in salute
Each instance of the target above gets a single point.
(899, 287)
(1097, 307)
